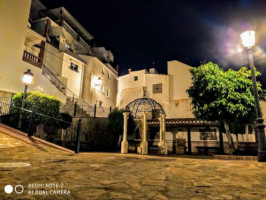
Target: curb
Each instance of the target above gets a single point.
(232, 157)
(32, 140)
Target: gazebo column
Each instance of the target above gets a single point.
(144, 142)
(162, 145)
(164, 130)
(161, 132)
(124, 146)
(189, 141)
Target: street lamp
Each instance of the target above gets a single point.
(248, 41)
(27, 80)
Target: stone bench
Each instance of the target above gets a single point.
(154, 150)
(203, 150)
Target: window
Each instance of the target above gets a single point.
(109, 75)
(100, 103)
(136, 78)
(103, 71)
(74, 67)
(157, 88)
(108, 92)
(102, 90)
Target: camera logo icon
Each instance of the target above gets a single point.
(18, 189)
(8, 189)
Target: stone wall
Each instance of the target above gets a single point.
(250, 148)
(94, 135)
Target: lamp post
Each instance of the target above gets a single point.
(27, 80)
(248, 40)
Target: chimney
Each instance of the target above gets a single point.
(153, 71)
(129, 71)
(117, 68)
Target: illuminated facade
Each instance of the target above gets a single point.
(65, 62)
(59, 51)
(168, 90)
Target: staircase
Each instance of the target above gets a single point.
(83, 109)
(56, 81)
(78, 110)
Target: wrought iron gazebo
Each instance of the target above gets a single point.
(138, 106)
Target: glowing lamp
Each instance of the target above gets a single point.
(248, 38)
(27, 77)
(97, 82)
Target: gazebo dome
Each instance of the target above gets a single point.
(138, 106)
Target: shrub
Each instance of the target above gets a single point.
(44, 105)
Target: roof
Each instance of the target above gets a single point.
(182, 122)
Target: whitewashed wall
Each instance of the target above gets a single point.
(13, 23)
(93, 70)
(73, 78)
(129, 90)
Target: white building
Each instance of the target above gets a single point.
(58, 50)
(169, 92)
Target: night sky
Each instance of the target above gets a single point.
(148, 33)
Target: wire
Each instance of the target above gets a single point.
(30, 111)
(53, 118)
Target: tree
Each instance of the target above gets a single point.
(223, 96)
(115, 124)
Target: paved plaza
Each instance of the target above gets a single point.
(48, 173)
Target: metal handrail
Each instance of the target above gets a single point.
(81, 102)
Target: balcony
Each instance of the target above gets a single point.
(34, 48)
(32, 59)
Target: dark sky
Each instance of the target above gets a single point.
(148, 33)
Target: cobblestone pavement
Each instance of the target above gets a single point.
(116, 176)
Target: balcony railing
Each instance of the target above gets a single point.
(32, 59)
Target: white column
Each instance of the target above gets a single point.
(144, 142)
(124, 146)
(162, 145)
(161, 132)
(163, 127)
